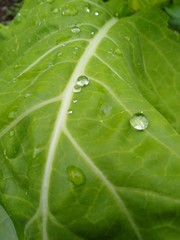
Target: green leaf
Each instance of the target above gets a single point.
(7, 230)
(90, 121)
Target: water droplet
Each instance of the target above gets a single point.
(18, 18)
(82, 81)
(110, 50)
(27, 95)
(76, 175)
(16, 66)
(106, 109)
(75, 29)
(77, 89)
(50, 1)
(14, 80)
(55, 10)
(70, 9)
(96, 13)
(118, 52)
(74, 100)
(69, 112)
(92, 33)
(139, 121)
(87, 9)
(127, 38)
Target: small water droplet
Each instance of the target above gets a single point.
(87, 9)
(96, 13)
(82, 81)
(76, 175)
(69, 112)
(139, 121)
(92, 33)
(70, 9)
(18, 18)
(74, 100)
(110, 50)
(27, 95)
(127, 38)
(77, 89)
(16, 66)
(75, 29)
(11, 134)
(55, 10)
(118, 52)
(106, 109)
(14, 80)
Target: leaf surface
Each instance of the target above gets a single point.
(72, 166)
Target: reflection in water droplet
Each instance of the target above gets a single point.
(70, 10)
(82, 81)
(69, 112)
(75, 29)
(139, 121)
(76, 175)
(77, 89)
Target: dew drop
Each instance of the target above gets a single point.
(74, 100)
(75, 29)
(27, 95)
(87, 9)
(139, 121)
(76, 175)
(82, 81)
(96, 13)
(118, 52)
(55, 10)
(69, 10)
(14, 80)
(16, 66)
(77, 89)
(69, 112)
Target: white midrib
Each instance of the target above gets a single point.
(61, 119)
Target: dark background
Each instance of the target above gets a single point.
(8, 9)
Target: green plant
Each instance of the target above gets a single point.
(90, 122)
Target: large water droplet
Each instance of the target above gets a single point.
(70, 10)
(75, 29)
(76, 176)
(139, 121)
(82, 81)
(77, 89)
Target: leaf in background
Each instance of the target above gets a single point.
(7, 230)
(89, 121)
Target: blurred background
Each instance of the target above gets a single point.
(8, 9)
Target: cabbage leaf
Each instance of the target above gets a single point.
(90, 122)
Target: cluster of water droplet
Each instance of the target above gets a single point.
(82, 81)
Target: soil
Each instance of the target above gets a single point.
(8, 9)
